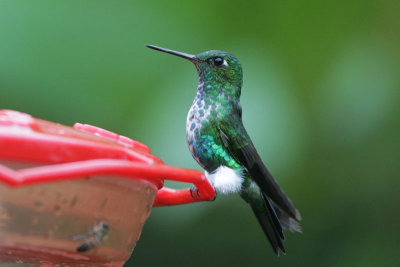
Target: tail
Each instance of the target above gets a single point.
(287, 222)
(266, 215)
(271, 218)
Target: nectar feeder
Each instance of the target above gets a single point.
(59, 184)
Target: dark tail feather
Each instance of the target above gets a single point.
(263, 209)
(287, 222)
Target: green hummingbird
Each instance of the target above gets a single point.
(219, 142)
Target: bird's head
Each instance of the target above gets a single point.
(218, 70)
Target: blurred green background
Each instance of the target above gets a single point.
(320, 100)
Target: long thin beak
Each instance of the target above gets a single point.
(172, 52)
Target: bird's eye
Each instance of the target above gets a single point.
(218, 61)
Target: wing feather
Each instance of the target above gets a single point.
(238, 143)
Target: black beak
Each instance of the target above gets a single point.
(172, 52)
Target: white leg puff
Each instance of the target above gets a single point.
(226, 180)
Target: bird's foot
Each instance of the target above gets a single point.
(195, 193)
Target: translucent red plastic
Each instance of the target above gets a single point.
(58, 182)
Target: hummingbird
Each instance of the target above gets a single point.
(221, 145)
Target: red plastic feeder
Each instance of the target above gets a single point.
(59, 183)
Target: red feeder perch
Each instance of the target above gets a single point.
(65, 188)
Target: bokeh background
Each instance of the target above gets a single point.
(320, 99)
